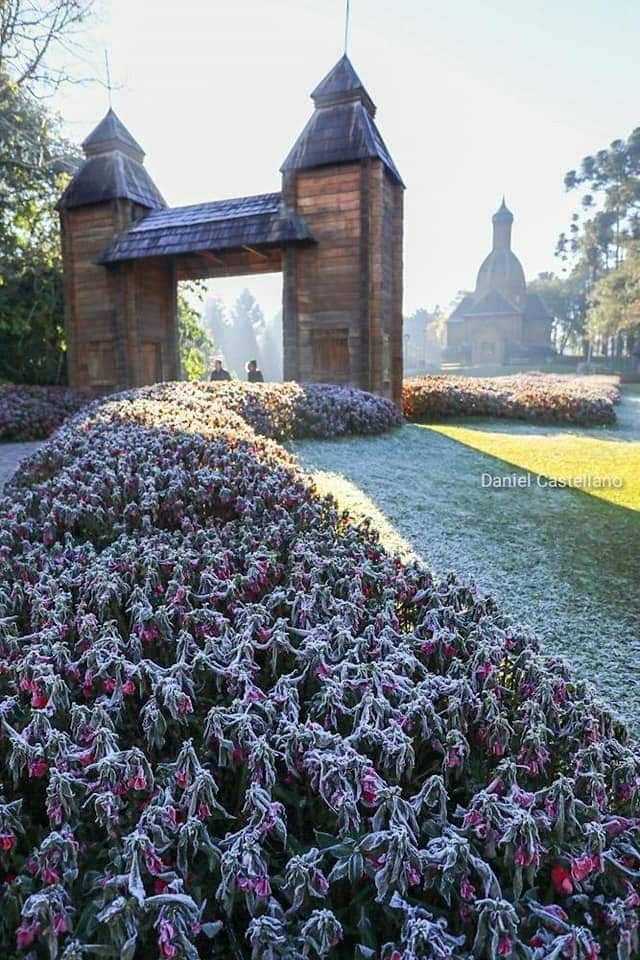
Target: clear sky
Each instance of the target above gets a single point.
(475, 98)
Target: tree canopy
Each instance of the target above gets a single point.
(35, 162)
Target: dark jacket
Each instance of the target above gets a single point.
(220, 375)
(255, 376)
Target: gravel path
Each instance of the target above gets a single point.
(10, 456)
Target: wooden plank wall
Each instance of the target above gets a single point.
(89, 296)
(155, 316)
(351, 279)
(327, 275)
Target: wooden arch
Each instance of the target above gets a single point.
(334, 230)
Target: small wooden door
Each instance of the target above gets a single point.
(151, 362)
(330, 353)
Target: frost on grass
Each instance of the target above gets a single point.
(233, 725)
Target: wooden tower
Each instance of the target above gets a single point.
(120, 319)
(343, 295)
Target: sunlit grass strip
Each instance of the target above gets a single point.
(608, 469)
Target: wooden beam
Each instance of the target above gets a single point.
(207, 255)
(257, 253)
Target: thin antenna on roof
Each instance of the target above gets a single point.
(108, 73)
(346, 26)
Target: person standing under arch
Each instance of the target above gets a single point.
(219, 372)
(253, 374)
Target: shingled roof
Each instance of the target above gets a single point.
(342, 127)
(256, 221)
(491, 304)
(342, 84)
(111, 134)
(113, 170)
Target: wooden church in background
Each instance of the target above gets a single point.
(335, 231)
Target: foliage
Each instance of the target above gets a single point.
(32, 32)
(196, 344)
(33, 413)
(610, 185)
(235, 726)
(423, 335)
(566, 299)
(549, 398)
(615, 299)
(34, 160)
(285, 410)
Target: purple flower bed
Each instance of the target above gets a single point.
(548, 398)
(234, 727)
(285, 410)
(33, 413)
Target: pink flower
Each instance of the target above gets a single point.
(262, 887)
(584, 866)
(26, 934)
(370, 783)
(185, 704)
(139, 780)
(413, 876)
(181, 778)
(467, 890)
(524, 857)
(153, 863)
(39, 700)
(128, 687)
(561, 879)
(505, 946)
(60, 924)
(7, 842)
(50, 875)
(167, 933)
(38, 768)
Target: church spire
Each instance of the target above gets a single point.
(502, 221)
(111, 134)
(342, 85)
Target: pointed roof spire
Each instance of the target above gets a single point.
(342, 85)
(342, 128)
(113, 170)
(111, 134)
(503, 214)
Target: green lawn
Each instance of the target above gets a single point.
(564, 561)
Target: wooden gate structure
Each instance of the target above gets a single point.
(335, 231)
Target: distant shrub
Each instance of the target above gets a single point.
(234, 727)
(33, 413)
(548, 398)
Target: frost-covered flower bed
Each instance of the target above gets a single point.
(285, 410)
(234, 727)
(33, 413)
(548, 398)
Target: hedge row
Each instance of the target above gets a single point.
(548, 398)
(279, 410)
(234, 726)
(285, 410)
(33, 413)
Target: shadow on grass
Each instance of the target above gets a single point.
(563, 562)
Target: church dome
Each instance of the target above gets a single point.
(502, 271)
